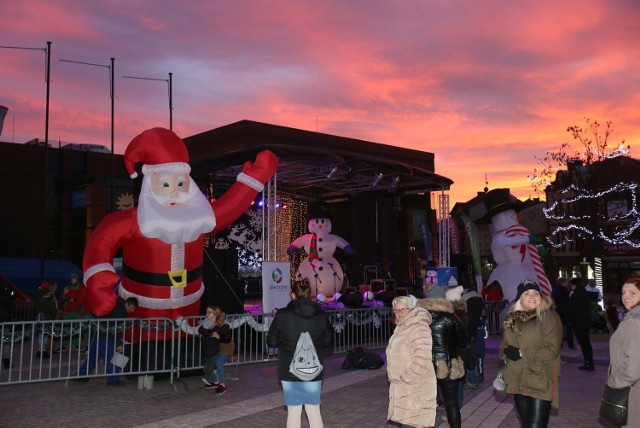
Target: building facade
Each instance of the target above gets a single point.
(594, 221)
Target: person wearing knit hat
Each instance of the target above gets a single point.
(162, 238)
(527, 285)
(531, 351)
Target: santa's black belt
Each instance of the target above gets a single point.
(176, 278)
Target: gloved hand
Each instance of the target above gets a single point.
(292, 249)
(349, 250)
(535, 239)
(263, 168)
(512, 353)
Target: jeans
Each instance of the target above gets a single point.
(214, 368)
(101, 348)
(220, 360)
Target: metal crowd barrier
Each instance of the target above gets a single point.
(494, 314)
(37, 351)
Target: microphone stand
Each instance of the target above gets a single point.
(335, 277)
(316, 276)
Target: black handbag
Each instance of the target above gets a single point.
(614, 405)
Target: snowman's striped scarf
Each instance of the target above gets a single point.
(541, 276)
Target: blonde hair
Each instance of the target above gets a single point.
(546, 303)
(220, 316)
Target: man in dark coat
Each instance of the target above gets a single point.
(580, 310)
(6, 314)
(476, 329)
(560, 296)
(106, 343)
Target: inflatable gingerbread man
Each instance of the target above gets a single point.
(162, 239)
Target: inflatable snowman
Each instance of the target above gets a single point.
(512, 247)
(320, 267)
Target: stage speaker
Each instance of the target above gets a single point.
(351, 300)
(386, 296)
(221, 284)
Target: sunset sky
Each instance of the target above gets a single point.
(485, 85)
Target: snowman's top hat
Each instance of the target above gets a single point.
(497, 201)
(319, 210)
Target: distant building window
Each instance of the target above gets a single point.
(617, 208)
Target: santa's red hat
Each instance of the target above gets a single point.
(159, 150)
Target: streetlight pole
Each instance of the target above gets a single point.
(112, 95)
(170, 83)
(45, 223)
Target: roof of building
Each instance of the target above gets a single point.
(313, 165)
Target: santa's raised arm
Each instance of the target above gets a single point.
(162, 239)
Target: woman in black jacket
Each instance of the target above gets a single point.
(300, 315)
(214, 332)
(448, 338)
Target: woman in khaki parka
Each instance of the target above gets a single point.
(531, 351)
(412, 389)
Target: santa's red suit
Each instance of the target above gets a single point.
(165, 277)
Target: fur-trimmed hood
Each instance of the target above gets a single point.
(440, 305)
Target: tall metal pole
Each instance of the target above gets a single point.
(170, 83)
(45, 227)
(112, 95)
(45, 208)
(171, 101)
(113, 157)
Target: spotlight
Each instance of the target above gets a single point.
(332, 172)
(376, 179)
(394, 182)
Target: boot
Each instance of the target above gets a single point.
(588, 365)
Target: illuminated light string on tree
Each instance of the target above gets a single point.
(561, 234)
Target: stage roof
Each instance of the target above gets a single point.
(307, 159)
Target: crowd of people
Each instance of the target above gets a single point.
(434, 336)
(436, 350)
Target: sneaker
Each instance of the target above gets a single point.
(205, 381)
(221, 389)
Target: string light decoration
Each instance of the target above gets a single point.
(299, 225)
(620, 235)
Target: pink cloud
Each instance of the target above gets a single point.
(484, 85)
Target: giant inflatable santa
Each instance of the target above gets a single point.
(512, 246)
(162, 239)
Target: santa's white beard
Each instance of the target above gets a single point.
(177, 224)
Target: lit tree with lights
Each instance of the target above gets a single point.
(592, 147)
(592, 197)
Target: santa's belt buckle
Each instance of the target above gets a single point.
(178, 278)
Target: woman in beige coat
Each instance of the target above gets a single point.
(624, 350)
(412, 389)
